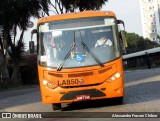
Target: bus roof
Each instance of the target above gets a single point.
(75, 15)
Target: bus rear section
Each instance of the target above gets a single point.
(79, 58)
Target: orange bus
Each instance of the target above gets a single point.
(80, 57)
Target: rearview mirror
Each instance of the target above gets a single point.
(123, 37)
(31, 43)
(31, 47)
(124, 41)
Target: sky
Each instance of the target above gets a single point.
(126, 10)
(27, 34)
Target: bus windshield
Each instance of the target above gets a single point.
(78, 42)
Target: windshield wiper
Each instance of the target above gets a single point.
(85, 47)
(90, 52)
(66, 57)
(68, 54)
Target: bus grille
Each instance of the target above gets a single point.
(79, 86)
(80, 74)
(72, 94)
(55, 75)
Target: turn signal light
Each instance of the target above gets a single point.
(49, 84)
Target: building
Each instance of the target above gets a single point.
(150, 18)
(140, 16)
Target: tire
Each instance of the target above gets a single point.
(56, 106)
(119, 100)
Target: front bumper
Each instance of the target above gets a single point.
(102, 91)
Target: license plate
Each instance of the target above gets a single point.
(83, 97)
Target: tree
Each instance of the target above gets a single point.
(82, 5)
(14, 14)
(58, 8)
(15, 52)
(65, 6)
(132, 39)
(138, 43)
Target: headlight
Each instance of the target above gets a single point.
(44, 82)
(117, 75)
(114, 77)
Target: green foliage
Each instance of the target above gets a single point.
(31, 61)
(15, 51)
(16, 14)
(138, 43)
(82, 5)
(65, 6)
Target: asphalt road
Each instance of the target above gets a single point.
(142, 94)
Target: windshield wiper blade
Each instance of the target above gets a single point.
(66, 57)
(92, 54)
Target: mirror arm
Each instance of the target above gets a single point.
(33, 32)
(121, 22)
(31, 43)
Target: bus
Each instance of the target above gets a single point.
(80, 57)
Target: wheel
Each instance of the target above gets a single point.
(56, 106)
